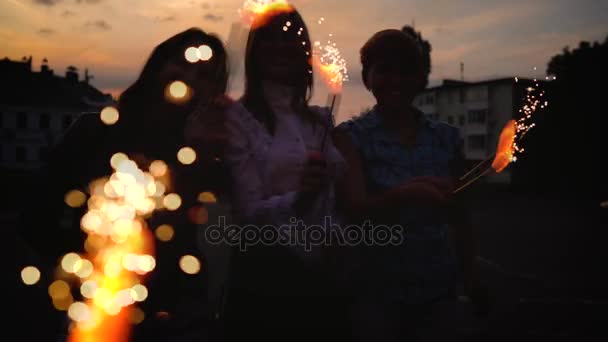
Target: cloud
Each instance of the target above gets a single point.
(165, 19)
(90, 2)
(206, 5)
(68, 13)
(213, 17)
(46, 2)
(46, 31)
(98, 24)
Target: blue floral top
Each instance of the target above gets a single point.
(422, 268)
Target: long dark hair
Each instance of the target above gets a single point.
(145, 97)
(253, 98)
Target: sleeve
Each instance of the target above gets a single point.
(250, 202)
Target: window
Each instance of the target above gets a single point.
(462, 95)
(450, 119)
(42, 153)
(477, 116)
(461, 120)
(67, 121)
(21, 120)
(45, 121)
(20, 154)
(477, 142)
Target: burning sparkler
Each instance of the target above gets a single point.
(334, 72)
(508, 147)
(257, 12)
(119, 252)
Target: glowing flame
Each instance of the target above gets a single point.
(258, 12)
(330, 63)
(505, 151)
(513, 131)
(119, 254)
(331, 74)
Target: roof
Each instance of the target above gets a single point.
(21, 86)
(455, 84)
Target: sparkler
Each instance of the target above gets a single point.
(256, 13)
(119, 252)
(334, 72)
(508, 147)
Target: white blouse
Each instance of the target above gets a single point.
(266, 169)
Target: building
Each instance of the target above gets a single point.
(479, 110)
(36, 108)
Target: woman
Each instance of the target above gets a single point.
(283, 173)
(151, 127)
(401, 167)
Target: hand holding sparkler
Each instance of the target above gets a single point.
(508, 147)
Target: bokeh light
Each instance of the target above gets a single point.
(117, 159)
(139, 292)
(178, 90)
(109, 115)
(207, 197)
(164, 233)
(69, 261)
(59, 289)
(189, 264)
(30, 275)
(158, 168)
(186, 155)
(172, 202)
(137, 316)
(83, 268)
(79, 312)
(205, 52)
(88, 289)
(75, 198)
(192, 54)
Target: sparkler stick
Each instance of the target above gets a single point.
(477, 166)
(465, 185)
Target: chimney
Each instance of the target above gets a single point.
(71, 74)
(462, 71)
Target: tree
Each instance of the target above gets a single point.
(568, 148)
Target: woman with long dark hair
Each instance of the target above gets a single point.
(283, 171)
(154, 123)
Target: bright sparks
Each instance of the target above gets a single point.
(330, 63)
(257, 12)
(109, 115)
(30, 275)
(119, 252)
(186, 155)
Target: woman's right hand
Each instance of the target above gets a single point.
(314, 180)
(426, 191)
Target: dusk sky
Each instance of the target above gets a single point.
(113, 38)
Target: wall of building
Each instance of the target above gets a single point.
(28, 133)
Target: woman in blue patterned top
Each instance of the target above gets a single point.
(401, 167)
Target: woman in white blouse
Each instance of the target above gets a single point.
(283, 171)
